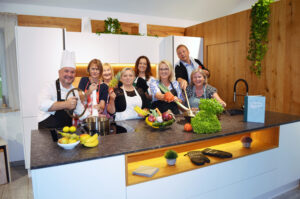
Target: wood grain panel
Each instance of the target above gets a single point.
(97, 25)
(164, 31)
(280, 71)
(292, 59)
(71, 24)
(131, 28)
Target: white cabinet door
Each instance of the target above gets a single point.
(131, 47)
(194, 44)
(88, 46)
(29, 124)
(102, 178)
(166, 49)
(38, 55)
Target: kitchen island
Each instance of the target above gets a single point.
(106, 170)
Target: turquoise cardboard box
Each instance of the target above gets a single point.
(255, 108)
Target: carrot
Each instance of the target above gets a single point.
(159, 113)
(169, 97)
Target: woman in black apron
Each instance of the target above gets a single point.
(167, 79)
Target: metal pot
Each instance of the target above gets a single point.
(98, 125)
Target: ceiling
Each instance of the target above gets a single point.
(196, 10)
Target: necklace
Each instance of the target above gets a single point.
(199, 92)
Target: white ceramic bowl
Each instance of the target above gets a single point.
(68, 146)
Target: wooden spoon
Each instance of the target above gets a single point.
(190, 112)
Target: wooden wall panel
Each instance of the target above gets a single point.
(292, 58)
(226, 43)
(71, 24)
(164, 31)
(131, 28)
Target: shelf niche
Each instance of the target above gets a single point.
(263, 140)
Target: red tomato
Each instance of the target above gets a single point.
(188, 127)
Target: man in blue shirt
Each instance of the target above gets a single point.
(185, 66)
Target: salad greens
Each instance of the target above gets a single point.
(206, 120)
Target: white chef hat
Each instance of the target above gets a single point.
(68, 59)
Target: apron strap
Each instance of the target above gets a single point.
(58, 91)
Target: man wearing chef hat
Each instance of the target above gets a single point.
(52, 103)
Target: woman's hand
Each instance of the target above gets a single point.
(176, 99)
(111, 94)
(93, 87)
(140, 115)
(223, 104)
(99, 108)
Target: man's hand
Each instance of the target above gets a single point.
(71, 103)
(183, 83)
(206, 73)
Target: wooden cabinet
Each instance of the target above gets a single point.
(4, 163)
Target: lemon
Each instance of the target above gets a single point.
(72, 141)
(72, 129)
(66, 129)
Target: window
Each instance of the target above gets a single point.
(3, 92)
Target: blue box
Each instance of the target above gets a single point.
(255, 108)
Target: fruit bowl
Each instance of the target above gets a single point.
(68, 146)
(164, 124)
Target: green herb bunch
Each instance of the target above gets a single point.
(206, 120)
(170, 154)
(259, 32)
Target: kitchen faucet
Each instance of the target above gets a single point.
(234, 88)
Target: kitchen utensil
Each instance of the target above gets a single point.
(190, 113)
(95, 124)
(82, 99)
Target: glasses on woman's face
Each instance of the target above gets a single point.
(94, 69)
(163, 69)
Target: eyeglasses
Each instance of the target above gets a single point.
(164, 69)
(94, 69)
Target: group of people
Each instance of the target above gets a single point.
(137, 87)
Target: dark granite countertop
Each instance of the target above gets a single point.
(46, 153)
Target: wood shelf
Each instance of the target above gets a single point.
(262, 140)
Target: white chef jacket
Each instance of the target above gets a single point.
(48, 96)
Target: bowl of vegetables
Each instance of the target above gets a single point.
(158, 120)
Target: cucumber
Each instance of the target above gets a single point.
(163, 124)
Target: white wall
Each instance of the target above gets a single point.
(11, 132)
(97, 15)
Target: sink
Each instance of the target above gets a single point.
(235, 112)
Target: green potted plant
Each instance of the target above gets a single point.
(171, 156)
(260, 14)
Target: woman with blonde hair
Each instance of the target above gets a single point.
(108, 73)
(199, 88)
(127, 97)
(166, 78)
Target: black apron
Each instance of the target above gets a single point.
(60, 118)
(164, 106)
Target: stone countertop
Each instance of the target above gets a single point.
(46, 153)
